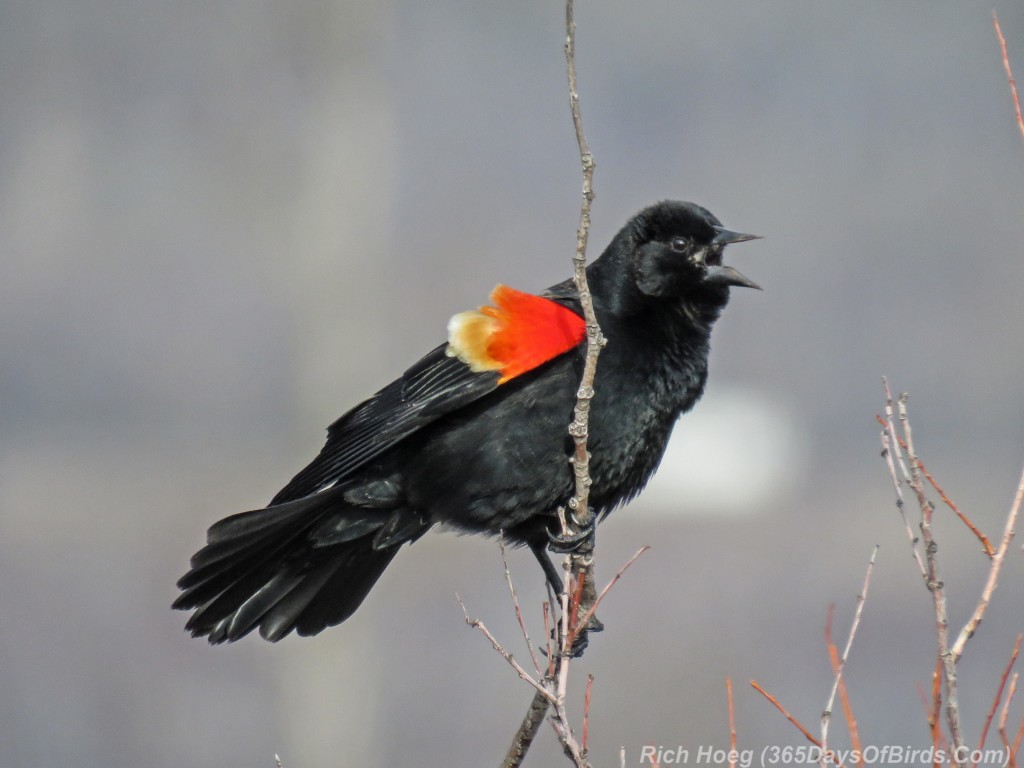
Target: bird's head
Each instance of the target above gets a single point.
(673, 251)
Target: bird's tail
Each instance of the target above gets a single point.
(304, 565)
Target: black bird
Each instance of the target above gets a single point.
(474, 437)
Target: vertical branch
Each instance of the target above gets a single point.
(826, 714)
(732, 723)
(580, 503)
(580, 518)
(935, 585)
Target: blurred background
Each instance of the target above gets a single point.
(223, 224)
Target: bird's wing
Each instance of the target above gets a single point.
(436, 385)
(487, 347)
(565, 293)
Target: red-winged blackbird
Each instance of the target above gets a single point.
(474, 435)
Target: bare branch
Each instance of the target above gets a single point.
(999, 695)
(593, 609)
(515, 603)
(993, 575)
(527, 730)
(985, 543)
(1002, 717)
(586, 711)
(523, 674)
(732, 723)
(579, 428)
(580, 516)
(1009, 72)
(935, 586)
(796, 723)
(826, 715)
(891, 453)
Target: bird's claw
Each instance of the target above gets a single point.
(582, 639)
(569, 543)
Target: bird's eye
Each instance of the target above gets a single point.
(680, 245)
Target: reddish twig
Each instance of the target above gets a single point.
(985, 543)
(926, 705)
(999, 694)
(575, 600)
(586, 712)
(1002, 719)
(585, 620)
(826, 714)
(935, 718)
(932, 708)
(1009, 72)
(844, 699)
(733, 754)
(785, 713)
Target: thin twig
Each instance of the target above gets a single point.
(593, 609)
(733, 754)
(549, 651)
(932, 709)
(1002, 718)
(935, 586)
(985, 543)
(844, 699)
(477, 624)
(586, 711)
(826, 715)
(560, 721)
(538, 708)
(1009, 72)
(890, 447)
(993, 575)
(935, 716)
(799, 726)
(999, 695)
(515, 603)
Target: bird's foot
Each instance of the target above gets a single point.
(580, 642)
(582, 639)
(571, 543)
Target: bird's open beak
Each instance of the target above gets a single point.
(725, 236)
(723, 275)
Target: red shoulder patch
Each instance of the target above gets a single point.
(518, 333)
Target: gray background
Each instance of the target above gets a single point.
(222, 224)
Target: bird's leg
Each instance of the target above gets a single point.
(551, 574)
(554, 580)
